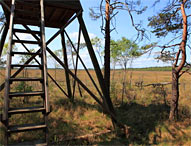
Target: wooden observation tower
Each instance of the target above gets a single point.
(44, 13)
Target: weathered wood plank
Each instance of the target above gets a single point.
(25, 110)
(66, 63)
(44, 57)
(33, 93)
(26, 127)
(8, 67)
(3, 37)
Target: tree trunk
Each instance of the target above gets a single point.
(55, 72)
(107, 48)
(176, 70)
(124, 85)
(175, 95)
(113, 74)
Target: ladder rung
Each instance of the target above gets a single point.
(26, 42)
(30, 143)
(25, 65)
(26, 79)
(25, 53)
(26, 31)
(26, 127)
(26, 110)
(34, 93)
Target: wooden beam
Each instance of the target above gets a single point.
(26, 31)
(63, 16)
(44, 61)
(5, 5)
(76, 78)
(31, 32)
(20, 69)
(51, 14)
(26, 21)
(3, 37)
(8, 67)
(38, 61)
(8, 73)
(66, 63)
(63, 28)
(106, 99)
(76, 65)
(84, 66)
(109, 112)
(58, 85)
(72, 5)
(65, 58)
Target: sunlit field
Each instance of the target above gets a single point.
(144, 110)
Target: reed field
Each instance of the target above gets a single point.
(145, 110)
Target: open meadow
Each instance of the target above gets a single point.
(145, 110)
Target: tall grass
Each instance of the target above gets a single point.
(145, 111)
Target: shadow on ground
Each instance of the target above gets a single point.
(142, 120)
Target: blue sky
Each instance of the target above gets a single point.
(124, 29)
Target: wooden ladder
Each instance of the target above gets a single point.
(9, 95)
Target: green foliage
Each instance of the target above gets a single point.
(5, 50)
(123, 50)
(168, 20)
(69, 45)
(148, 46)
(24, 58)
(164, 23)
(22, 86)
(97, 44)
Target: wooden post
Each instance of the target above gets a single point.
(83, 64)
(106, 109)
(8, 72)
(44, 57)
(106, 99)
(73, 75)
(76, 67)
(66, 63)
(3, 37)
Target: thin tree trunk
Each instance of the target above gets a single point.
(107, 48)
(124, 85)
(175, 95)
(130, 79)
(55, 72)
(113, 75)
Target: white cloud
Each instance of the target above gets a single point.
(23, 36)
(74, 37)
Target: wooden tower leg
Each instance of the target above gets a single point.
(3, 37)
(66, 63)
(8, 70)
(44, 71)
(106, 99)
(44, 56)
(76, 64)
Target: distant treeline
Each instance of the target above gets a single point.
(166, 68)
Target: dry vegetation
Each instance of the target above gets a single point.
(145, 110)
